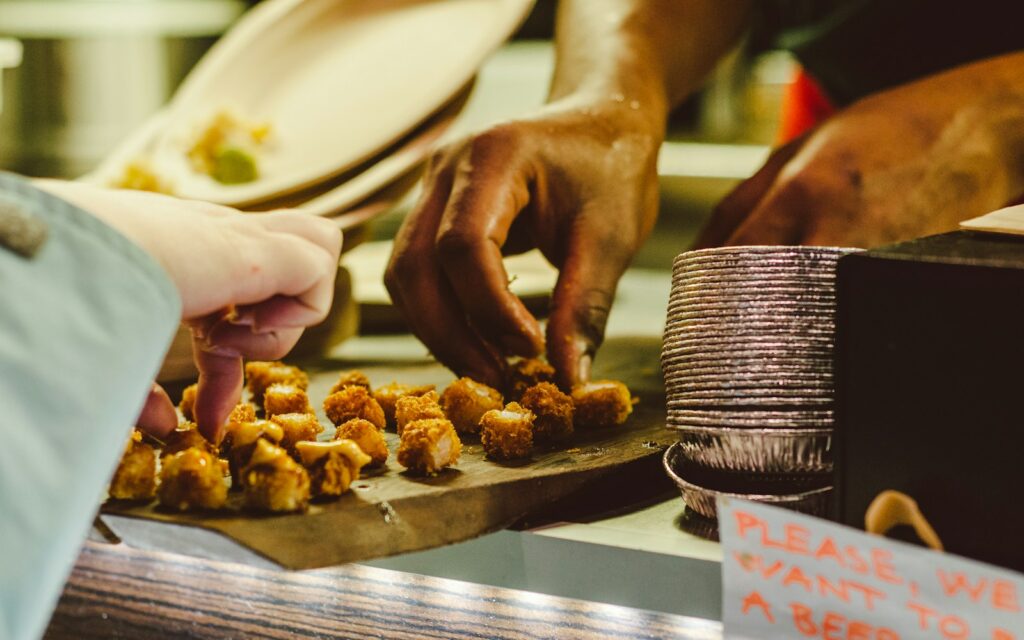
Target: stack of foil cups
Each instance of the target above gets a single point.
(748, 365)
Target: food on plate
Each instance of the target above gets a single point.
(188, 400)
(428, 446)
(243, 437)
(466, 400)
(260, 375)
(243, 412)
(367, 436)
(553, 411)
(140, 175)
(192, 479)
(350, 379)
(135, 478)
(410, 408)
(273, 481)
(353, 402)
(388, 395)
(186, 436)
(332, 466)
(525, 373)
(507, 434)
(602, 403)
(296, 428)
(285, 398)
(227, 148)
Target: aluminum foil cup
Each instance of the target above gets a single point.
(758, 450)
(702, 499)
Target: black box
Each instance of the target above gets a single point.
(930, 387)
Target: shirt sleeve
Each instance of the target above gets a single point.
(85, 321)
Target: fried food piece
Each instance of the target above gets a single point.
(388, 395)
(296, 427)
(243, 412)
(192, 479)
(273, 481)
(186, 436)
(353, 402)
(427, 446)
(332, 466)
(369, 438)
(351, 378)
(525, 373)
(285, 398)
(260, 375)
(507, 434)
(188, 400)
(135, 478)
(465, 401)
(553, 410)
(243, 437)
(602, 403)
(411, 408)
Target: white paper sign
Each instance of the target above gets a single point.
(788, 575)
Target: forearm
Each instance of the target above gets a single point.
(646, 53)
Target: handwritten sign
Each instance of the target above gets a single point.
(787, 575)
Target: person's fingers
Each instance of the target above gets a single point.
(320, 231)
(422, 293)
(220, 386)
(778, 219)
(230, 340)
(158, 417)
(582, 300)
(488, 192)
(734, 209)
(283, 312)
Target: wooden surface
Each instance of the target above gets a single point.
(119, 592)
(391, 512)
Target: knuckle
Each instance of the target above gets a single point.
(592, 314)
(455, 243)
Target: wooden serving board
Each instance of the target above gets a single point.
(391, 512)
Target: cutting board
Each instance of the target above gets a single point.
(391, 512)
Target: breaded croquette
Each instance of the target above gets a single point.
(243, 437)
(427, 446)
(507, 434)
(369, 438)
(553, 410)
(188, 401)
(525, 373)
(186, 436)
(353, 402)
(285, 398)
(273, 481)
(135, 478)
(260, 375)
(192, 479)
(332, 466)
(388, 395)
(351, 378)
(410, 408)
(296, 428)
(465, 401)
(602, 403)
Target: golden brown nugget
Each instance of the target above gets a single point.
(353, 402)
(507, 434)
(243, 412)
(296, 427)
(388, 395)
(135, 477)
(411, 408)
(260, 375)
(602, 403)
(243, 437)
(465, 401)
(369, 438)
(188, 401)
(192, 479)
(285, 398)
(186, 436)
(332, 466)
(553, 410)
(351, 378)
(427, 446)
(525, 373)
(273, 481)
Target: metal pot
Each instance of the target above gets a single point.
(93, 70)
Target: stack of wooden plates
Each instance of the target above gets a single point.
(353, 93)
(747, 360)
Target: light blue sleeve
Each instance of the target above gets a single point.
(84, 325)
